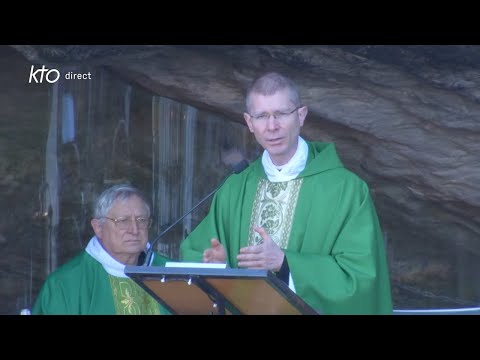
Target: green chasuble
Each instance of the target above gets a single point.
(329, 231)
(83, 287)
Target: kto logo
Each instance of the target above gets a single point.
(51, 75)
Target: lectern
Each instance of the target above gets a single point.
(209, 291)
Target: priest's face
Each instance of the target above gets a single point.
(276, 121)
(124, 232)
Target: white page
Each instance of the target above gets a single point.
(195, 265)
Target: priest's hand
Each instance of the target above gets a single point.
(216, 253)
(267, 255)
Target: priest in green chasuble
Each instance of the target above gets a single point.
(94, 282)
(298, 212)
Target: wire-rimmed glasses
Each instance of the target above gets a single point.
(280, 115)
(126, 223)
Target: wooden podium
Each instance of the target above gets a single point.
(206, 291)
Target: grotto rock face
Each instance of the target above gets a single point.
(404, 118)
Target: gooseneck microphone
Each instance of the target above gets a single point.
(237, 168)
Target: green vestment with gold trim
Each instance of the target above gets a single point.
(328, 229)
(83, 287)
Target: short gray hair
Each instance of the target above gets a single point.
(269, 84)
(117, 192)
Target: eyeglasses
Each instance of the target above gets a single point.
(280, 115)
(126, 223)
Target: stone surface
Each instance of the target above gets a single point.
(405, 118)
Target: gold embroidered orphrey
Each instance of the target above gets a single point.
(130, 299)
(273, 210)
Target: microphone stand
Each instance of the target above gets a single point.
(242, 165)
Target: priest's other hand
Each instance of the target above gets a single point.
(267, 255)
(216, 254)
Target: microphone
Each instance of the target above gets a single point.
(236, 169)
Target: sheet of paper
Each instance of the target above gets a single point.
(195, 265)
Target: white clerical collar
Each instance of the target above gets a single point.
(111, 266)
(291, 169)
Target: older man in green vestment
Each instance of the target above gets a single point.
(94, 282)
